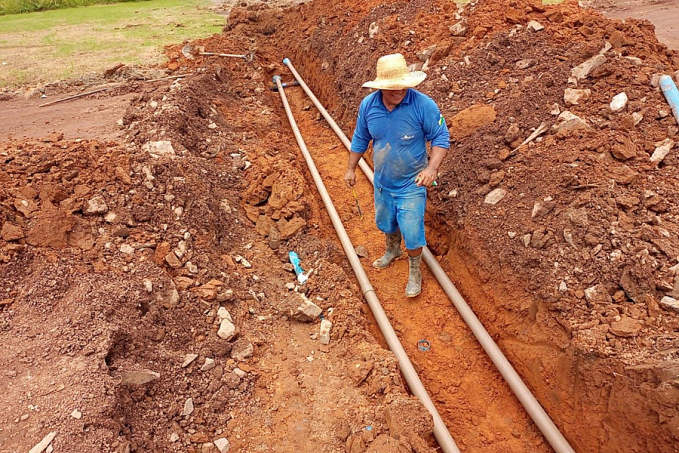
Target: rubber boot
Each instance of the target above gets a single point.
(414, 286)
(392, 252)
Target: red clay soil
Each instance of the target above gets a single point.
(568, 270)
(116, 256)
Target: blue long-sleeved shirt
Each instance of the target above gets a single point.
(399, 137)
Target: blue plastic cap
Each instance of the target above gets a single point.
(276, 78)
(286, 61)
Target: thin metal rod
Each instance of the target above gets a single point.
(441, 433)
(524, 395)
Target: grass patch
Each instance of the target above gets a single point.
(52, 45)
(27, 6)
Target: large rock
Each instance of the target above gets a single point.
(626, 327)
(670, 303)
(583, 70)
(574, 96)
(300, 308)
(11, 232)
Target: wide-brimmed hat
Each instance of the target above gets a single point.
(393, 74)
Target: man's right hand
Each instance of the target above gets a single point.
(350, 178)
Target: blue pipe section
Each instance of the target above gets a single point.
(669, 89)
(286, 61)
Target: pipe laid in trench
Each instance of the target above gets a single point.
(524, 395)
(441, 433)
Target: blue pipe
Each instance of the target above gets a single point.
(669, 89)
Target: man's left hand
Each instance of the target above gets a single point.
(426, 177)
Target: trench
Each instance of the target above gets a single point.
(462, 381)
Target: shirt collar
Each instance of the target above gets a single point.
(406, 99)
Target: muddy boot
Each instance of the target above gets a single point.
(414, 286)
(393, 251)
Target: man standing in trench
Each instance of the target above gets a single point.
(400, 121)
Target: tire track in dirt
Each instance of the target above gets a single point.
(477, 405)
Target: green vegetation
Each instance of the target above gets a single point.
(27, 6)
(64, 43)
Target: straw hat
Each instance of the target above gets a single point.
(393, 74)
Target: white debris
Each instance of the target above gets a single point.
(662, 149)
(222, 445)
(243, 261)
(495, 196)
(208, 365)
(583, 70)
(159, 149)
(637, 117)
(188, 408)
(619, 102)
(459, 29)
(189, 359)
(44, 443)
(326, 325)
(127, 249)
(573, 96)
(76, 414)
(373, 30)
(226, 330)
(670, 303)
(223, 313)
(534, 25)
(174, 437)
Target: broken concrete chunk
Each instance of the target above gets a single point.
(495, 196)
(573, 96)
(583, 70)
(223, 313)
(326, 325)
(670, 303)
(619, 102)
(188, 408)
(568, 121)
(208, 365)
(139, 377)
(662, 150)
(76, 414)
(44, 443)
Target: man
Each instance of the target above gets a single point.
(400, 121)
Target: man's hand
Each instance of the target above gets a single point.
(425, 178)
(350, 178)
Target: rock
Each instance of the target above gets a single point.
(96, 206)
(556, 110)
(662, 150)
(222, 445)
(188, 408)
(619, 102)
(44, 443)
(583, 70)
(623, 174)
(226, 330)
(459, 29)
(362, 251)
(326, 325)
(76, 414)
(223, 313)
(426, 54)
(159, 149)
(242, 349)
(670, 303)
(139, 377)
(172, 260)
(526, 238)
(573, 96)
(174, 437)
(495, 196)
(208, 365)
(626, 327)
(568, 236)
(11, 232)
(513, 133)
(534, 25)
(637, 117)
(542, 207)
(239, 259)
(525, 63)
(568, 121)
(209, 290)
(373, 30)
(189, 359)
(300, 308)
(625, 150)
(168, 296)
(127, 249)
(597, 295)
(289, 228)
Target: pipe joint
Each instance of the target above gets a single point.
(276, 78)
(286, 61)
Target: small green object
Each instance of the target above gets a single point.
(434, 184)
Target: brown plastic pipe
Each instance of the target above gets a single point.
(441, 433)
(524, 395)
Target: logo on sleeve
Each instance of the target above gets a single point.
(441, 120)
